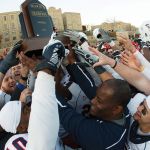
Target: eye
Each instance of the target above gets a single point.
(144, 110)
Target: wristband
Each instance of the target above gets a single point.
(114, 64)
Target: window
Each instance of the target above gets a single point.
(12, 17)
(14, 38)
(5, 18)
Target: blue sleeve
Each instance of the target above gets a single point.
(86, 131)
(83, 79)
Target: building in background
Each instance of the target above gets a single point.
(72, 21)
(57, 18)
(10, 29)
(116, 26)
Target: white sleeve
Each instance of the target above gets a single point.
(142, 59)
(44, 119)
(145, 63)
(146, 72)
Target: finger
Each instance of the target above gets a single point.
(124, 59)
(128, 53)
(95, 51)
(125, 56)
(125, 62)
(97, 64)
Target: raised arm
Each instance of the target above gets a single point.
(134, 77)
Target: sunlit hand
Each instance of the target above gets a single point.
(128, 59)
(127, 43)
(103, 59)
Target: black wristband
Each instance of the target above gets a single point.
(99, 69)
(114, 64)
(24, 78)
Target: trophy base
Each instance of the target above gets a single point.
(32, 44)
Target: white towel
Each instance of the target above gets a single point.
(10, 116)
(135, 102)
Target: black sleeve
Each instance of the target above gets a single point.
(83, 79)
(85, 131)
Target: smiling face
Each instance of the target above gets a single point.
(111, 99)
(16, 72)
(8, 85)
(101, 105)
(142, 114)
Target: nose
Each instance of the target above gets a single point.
(12, 80)
(93, 101)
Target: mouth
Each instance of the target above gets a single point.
(12, 85)
(137, 115)
(17, 74)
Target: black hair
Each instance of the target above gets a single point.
(121, 92)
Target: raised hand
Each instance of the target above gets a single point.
(126, 42)
(128, 59)
(11, 58)
(103, 59)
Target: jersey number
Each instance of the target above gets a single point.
(20, 143)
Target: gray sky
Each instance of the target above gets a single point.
(95, 11)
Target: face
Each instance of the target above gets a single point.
(142, 114)
(8, 84)
(101, 105)
(26, 61)
(16, 72)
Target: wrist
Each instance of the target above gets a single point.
(112, 63)
(133, 50)
(115, 64)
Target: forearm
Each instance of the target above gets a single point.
(134, 77)
(77, 126)
(44, 119)
(83, 79)
(105, 76)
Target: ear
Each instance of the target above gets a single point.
(117, 110)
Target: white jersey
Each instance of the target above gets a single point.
(142, 146)
(19, 142)
(79, 99)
